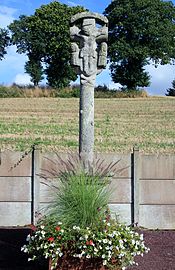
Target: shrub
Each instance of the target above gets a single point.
(73, 91)
(171, 91)
(8, 92)
(68, 92)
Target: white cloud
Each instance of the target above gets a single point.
(22, 79)
(161, 78)
(13, 60)
(6, 15)
(10, 66)
(71, 3)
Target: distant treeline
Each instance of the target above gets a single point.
(101, 91)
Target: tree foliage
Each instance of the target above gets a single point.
(171, 91)
(139, 31)
(34, 68)
(45, 38)
(4, 42)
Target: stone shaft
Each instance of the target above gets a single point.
(86, 124)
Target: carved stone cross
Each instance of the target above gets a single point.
(89, 34)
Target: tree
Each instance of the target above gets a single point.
(45, 38)
(140, 31)
(4, 42)
(34, 68)
(171, 91)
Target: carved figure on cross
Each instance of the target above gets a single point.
(89, 47)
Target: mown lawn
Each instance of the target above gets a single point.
(120, 124)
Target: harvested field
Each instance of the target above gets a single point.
(119, 124)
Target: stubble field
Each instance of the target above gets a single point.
(120, 124)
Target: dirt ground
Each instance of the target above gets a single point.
(160, 257)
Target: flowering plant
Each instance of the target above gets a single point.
(114, 244)
(86, 231)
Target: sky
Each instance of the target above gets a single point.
(12, 67)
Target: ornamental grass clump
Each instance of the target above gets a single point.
(78, 228)
(81, 199)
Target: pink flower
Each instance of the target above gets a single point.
(33, 227)
(89, 243)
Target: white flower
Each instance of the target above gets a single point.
(74, 227)
(86, 236)
(103, 256)
(24, 249)
(133, 242)
(105, 241)
(88, 256)
(124, 268)
(141, 236)
(28, 237)
(47, 255)
(42, 227)
(104, 262)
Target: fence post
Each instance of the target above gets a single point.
(35, 180)
(135, 185)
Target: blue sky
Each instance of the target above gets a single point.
(12, 67)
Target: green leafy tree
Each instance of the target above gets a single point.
(4, 42)
(140, 31)
(171, 91)
(35, 70)
(45, 36)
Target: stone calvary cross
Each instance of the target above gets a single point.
(89, 34)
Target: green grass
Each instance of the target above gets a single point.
(119, 124)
